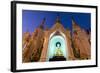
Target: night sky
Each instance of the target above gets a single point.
(31, 19)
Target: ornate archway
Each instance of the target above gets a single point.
(57, 47)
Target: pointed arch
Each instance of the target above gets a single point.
(57, 36)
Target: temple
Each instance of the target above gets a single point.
(56, 43)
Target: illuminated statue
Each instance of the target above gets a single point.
(58, 51)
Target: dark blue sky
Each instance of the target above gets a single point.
(31, 19)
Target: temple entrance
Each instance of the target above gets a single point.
(57, 48)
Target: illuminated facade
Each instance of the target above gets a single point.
(56, 43)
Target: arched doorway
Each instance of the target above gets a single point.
(57, 48)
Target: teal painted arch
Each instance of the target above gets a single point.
(53, 39)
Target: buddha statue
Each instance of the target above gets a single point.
(58, 51)
(58, 55)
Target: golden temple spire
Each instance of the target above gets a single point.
(74, 24)
(58, 19)
(42, 24)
